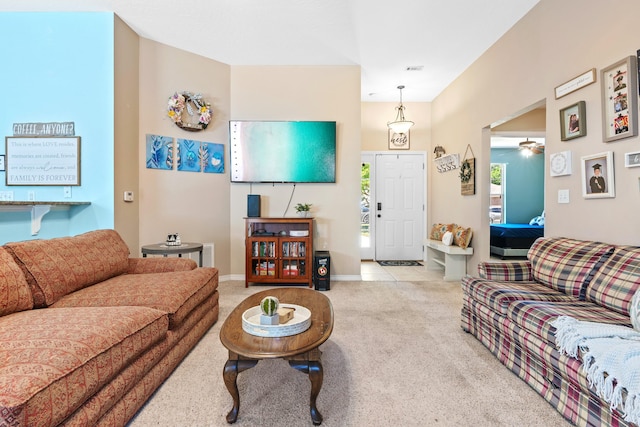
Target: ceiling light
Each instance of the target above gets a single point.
(400, 124)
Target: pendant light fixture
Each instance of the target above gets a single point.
(400, 124)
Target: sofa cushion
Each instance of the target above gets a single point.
(566, 265)
(615, 283)
(57, 267)
(175, 293)
(160, 265)
(52, 360)
(506, 271)
(498, 295)
(14, 291)
(536, 316)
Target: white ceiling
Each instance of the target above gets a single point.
(384, 37)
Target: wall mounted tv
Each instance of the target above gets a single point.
(282, 151)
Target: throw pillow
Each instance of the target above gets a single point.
(447, 238)
(438, 230)
(634, 310)
(462, 236)
(538, 220)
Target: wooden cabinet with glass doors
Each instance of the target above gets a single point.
(279, 251)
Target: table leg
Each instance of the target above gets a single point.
(314, 369)
(200, 257)
(230, 374)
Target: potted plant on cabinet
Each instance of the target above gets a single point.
(302, 209)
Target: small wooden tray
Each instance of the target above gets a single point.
(300, 322)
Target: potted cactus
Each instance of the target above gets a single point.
(269, 307)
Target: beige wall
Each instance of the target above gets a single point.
(375, 116)
(126, 162)
(554, 43)
(305, 93)
(196, 205)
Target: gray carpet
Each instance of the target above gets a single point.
(397, 357)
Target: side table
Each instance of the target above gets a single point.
(165, 250)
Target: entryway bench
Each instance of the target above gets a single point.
(450, 257)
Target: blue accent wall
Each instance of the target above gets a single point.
(59, 67)
(524, 197)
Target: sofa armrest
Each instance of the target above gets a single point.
(506, 271)
(160, 265)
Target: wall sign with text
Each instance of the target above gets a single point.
(42, 160)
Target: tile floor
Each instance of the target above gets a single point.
(372, 271)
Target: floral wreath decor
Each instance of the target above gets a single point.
(177, 104)
(465, 171)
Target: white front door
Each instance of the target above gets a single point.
(398, 209)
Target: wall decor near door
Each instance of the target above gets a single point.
(399, 141)
(467, 173)
(620, 100)
(447, 163)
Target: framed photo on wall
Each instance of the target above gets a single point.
(573, 121)
(399, 141)
(620, 100)
(2, 166)
(632, 160)
(597, 176)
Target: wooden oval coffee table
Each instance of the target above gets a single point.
(301, 350)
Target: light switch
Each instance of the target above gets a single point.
(563, 196)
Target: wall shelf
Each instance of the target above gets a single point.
(38, 210)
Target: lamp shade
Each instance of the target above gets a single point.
(401, 126)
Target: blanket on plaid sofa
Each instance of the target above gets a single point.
(610, 357)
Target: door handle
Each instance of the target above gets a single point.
(379, 206)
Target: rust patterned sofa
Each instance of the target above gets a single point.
(87, 334)
(511, 307)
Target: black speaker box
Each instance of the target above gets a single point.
(253, 205)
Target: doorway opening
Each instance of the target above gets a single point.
(497, 202)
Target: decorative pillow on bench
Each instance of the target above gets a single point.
(462, 236)
(438, 230)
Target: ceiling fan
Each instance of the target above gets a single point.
(533, 146)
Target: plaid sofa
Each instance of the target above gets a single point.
(87, 333)
(510, 305)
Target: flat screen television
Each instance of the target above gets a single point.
(282, 151)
